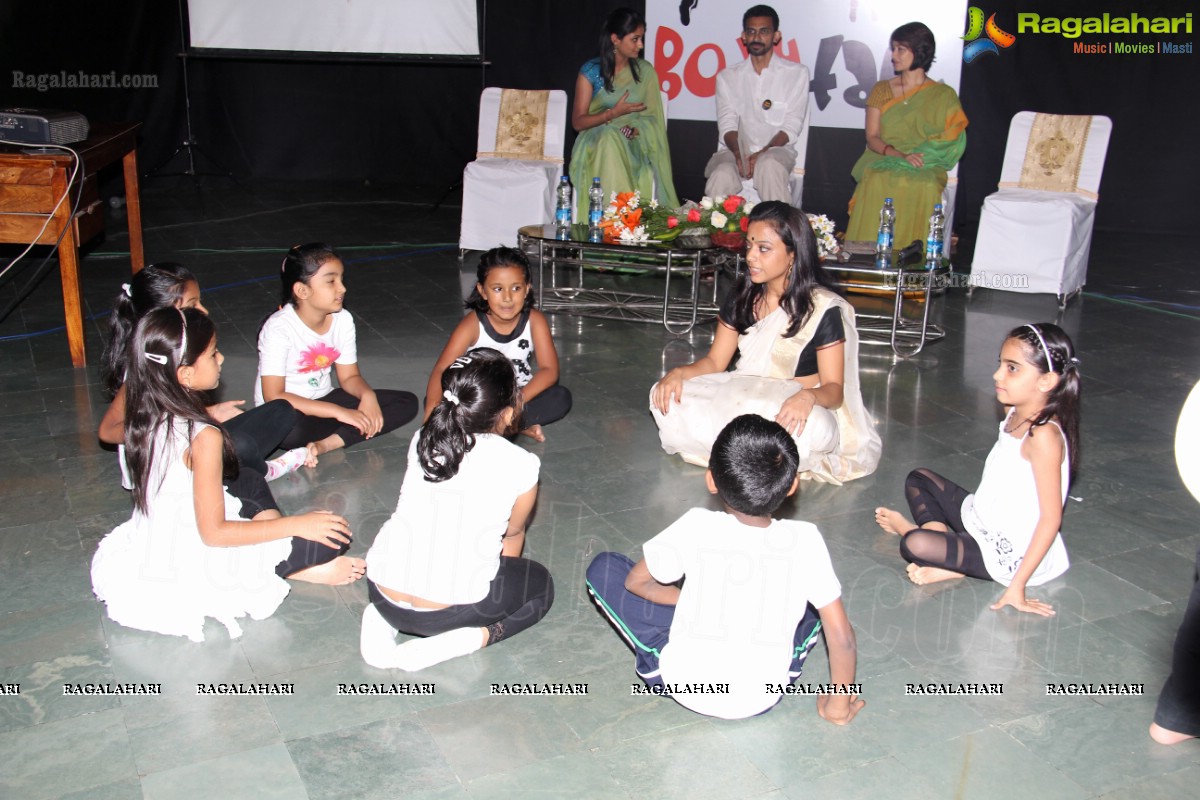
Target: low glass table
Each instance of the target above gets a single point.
(906, 285)
(613, 281)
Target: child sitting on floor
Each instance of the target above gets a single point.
(745, 616)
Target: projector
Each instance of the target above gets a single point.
(34, 126)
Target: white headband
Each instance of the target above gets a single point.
(1045, 350)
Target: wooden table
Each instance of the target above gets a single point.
(670, 262)
(32, 183)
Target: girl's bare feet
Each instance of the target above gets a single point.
(338, 572)
(893, 521)
(331, 442)
(1163, 736)
(922, 576)
(535, 432)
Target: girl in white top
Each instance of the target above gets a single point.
(304, 342)
(1008, 530)
(447, 565)
(186, 555)
(501, 316)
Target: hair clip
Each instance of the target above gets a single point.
(1074, 362)
(157, 358)
(451, 396)
(128, 290)
(460, 362)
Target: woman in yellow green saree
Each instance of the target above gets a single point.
(916, 130)
(618, 114)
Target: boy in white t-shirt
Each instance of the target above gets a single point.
(731, 642)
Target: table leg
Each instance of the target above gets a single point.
(68, 262)
(133, 207)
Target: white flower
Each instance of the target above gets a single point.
(718, 219)
(638, 234)
(706, 202)
(748, 207)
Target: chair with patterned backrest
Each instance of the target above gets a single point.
(518, 163)
(1035, 232)
(796, 181)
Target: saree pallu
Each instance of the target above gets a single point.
(625, 165)
(835, 446)
(931, 123)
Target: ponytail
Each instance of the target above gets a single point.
(1048, 348)
(476, 390)
(156, 286)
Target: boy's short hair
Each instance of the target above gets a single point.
(753, 464)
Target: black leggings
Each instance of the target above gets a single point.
(307, 553)
(256, 433)
(549, 406)
(398, 408)
(932, 498)
(520, 595)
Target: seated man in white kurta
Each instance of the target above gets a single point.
(760, 114)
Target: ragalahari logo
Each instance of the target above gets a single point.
(996, 38)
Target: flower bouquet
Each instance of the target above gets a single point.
(622, 220)
(723, 219)
(827, 244)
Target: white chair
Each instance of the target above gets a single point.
(512, 180)
(1036, 231)
(948, 195)
(796, 181)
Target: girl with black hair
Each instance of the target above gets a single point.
(256, 433)
(618, 114)
(797, 360)
(1008, 530)
(502, 317)
(191, 550)
(447, 566)
(305, 342)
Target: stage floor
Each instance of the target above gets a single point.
(1130, 529)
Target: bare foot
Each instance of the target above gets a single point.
(534, 432)
(313, 452)
(893, 521)
(331, 442)
(1163, 736)
(339, 572)
(922, 576)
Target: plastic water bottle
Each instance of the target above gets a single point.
(937, 233)
(595, 211)
(562, 213)
(887, 232)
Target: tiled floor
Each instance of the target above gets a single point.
(1130, 527)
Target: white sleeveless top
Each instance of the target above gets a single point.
(1003, 513)
(517, 346)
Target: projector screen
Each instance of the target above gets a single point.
(424, 29)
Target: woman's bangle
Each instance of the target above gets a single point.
(883, 152)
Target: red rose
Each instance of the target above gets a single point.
(744, 222)
(693, 215)
(732, 203)
(672, 222)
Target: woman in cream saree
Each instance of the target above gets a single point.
(798, 361)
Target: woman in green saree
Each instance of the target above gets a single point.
(618, 114)
(916, 130)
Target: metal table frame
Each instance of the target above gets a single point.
(904, 335)
(677, 314)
